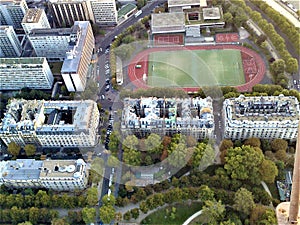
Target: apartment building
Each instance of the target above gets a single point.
(53, 43)
(168, 116)
(75, 67)
(66, 12)
(10, 45)
(265, 117)
(34, 19)
(12, 12)
(103, 12)
(57, 175)
(50, 123)
(31, 72)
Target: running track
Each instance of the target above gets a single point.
(136, 75)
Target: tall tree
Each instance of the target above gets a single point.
(108, 200)
(254, 142)
(88, 215)
(92, 196)
(292, 65)
(107, 213)
(30, 149)
(13, 148)
(213, 212)
(279, 144)
(177, 155)
(153, 143)
(243, 201)
(226, 143)
(268, 171)
(130, 142)
(132, 157)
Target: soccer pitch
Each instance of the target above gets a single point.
(195, 68)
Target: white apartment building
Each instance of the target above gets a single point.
(10, 45)
(53, 43)
(265, 117)
(12, 12)
(35, 19)
(66, 12)
(75, 67)
(168, 116)
(31, 72)
(57, 175)
(103, 12)
(50, 123)
(64, 175)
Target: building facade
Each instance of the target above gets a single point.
(53, 43)
(103, 12)
(266, 117)
(31, 72)
(12, 12)
(57, 175)
(50, 123)
(66, 12)
(35, 19)
(10, 45)
(168, 116)
(75, 67)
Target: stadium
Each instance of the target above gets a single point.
(192, 67)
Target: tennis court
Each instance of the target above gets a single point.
(194, 68)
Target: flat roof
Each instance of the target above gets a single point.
(175, 3)
(62, 168)
(162, 22)
(32, 16)
(53, 32)
(126, 9)
(24, 60)
(10, 2)
(211, 13)
(71, 63)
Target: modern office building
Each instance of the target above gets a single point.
(266, 117)
(103, 12)
(66, 12)
(31, 72)
(50, 123)
(168, 116)
(75, 67)
(57, 175)
(10, 45)
(53, 43)
(12, 12)
(35, 19)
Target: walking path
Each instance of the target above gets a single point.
(192, 217)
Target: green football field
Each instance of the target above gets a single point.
(195, 68)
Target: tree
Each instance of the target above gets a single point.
(59, 221)
(177, 155)
(124, 51)
(130, 142)
(96, 170)
(292, 65)
(144, 207)
(254, 142)
(243, 201)
(140, 4)
(108, 200)
(153, 143)
(226, 143)
(34, 215)
(203, 155)
(127, 215)
(107, 213)
(88, 215)
(30, 150)
(213, 212)
(262, 215)
(279, 144)
(135, 213)
(13, 148)
(140, 194)
(281, 155)
(42, 199)
(132, 157)
(268, 171)
(92, 196)
(114, 141)
(205, 193)
(228, 18)
(243, 163)
(113, 161)
(277, 66)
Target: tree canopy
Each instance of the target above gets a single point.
(243, 201)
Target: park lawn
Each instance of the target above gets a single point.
(187, 68)
(183, 212)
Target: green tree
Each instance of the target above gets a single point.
(59, 221)
(42, 199)
(243, 163)
(277, 66)
(268, 171)
(96, 170)
(113, 161)
(124, 51)
(243, 201)
(13, 148)
(114, 141)
(132, 157)
(144, 207)
(226, 143)
(34, 215)
(279, 144)
(177, 155)
(127, 215)
(254, 142)
(108, 200)
(107, 213)
(135, 213)
(88, 215)
(228, 18)
(262, 215)
(140, 194)
(292, 65)
(212, 212)
(130, 142)
(203, 155)
(281, 155)
(153, 143)
(205, 193)
(92, 196)
(30, 149)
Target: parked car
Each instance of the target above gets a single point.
(107, 87)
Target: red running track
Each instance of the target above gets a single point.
(136, 74)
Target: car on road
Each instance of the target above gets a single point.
(102, 97)
(107, 81)
(107, 87)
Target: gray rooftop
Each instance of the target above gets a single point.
(32, 16)
(211, 13)
(175, 3)
(53, 32)
(162, 22)
(20, 61)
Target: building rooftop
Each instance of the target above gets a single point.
(18, 62)
(211, 13)
(10, 2)
(162, 22)
(170, 113)
(32, 16)
(62, 168)
(176, 3)
(126, 9)
(264, 108)
(4, 28)
(22, 169)
(53, 32)
(71, 63)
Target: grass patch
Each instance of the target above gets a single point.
(195, 68)
(183, 211)
(55, 67)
